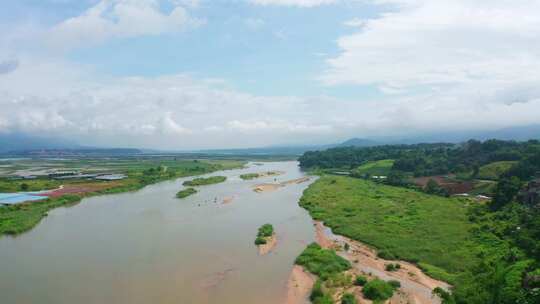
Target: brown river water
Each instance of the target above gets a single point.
(150, 247)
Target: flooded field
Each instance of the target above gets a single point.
(150, 247)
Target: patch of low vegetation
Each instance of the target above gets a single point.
(265, 231)
(322, 262)
(378, 290)
(493, 171)
(249, 176)
(186, 192)
(392, 267)
(360, 280)
(202, 181)
(377, 168)
(348, 298)
(38, 184)
(16, 219)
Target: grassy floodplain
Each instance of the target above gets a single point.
(186, 192)
(202, 181)
(378, 167)
(402, 223)
(16, 219)
(493, 171)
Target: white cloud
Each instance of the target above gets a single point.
(445, 42)
(119, 19)
(181, 112)
(300, 3)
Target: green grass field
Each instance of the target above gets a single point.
(494, 170)
(379, 167)
(402, 223)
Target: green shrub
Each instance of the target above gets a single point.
(322, 262)
(186, 192)
(316, 291)
(266, 230)
(395, 284)
(378, 290)
(392, 267)
(360, 281)
(446, 297)
(201, 181)
(249, 176)
(260, 241)
(348, 298)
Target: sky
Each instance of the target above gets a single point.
(198, 74)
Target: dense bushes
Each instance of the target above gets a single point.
(201, 181)
(322, 262)
(348, 298)
(186, 192)
(265, 231)
(432, 159)
(378, 290)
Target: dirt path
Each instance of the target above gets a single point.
(416, 286)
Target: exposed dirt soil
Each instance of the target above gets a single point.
(299, 286)
(271, 243)
(271, 187)
(81, 188)
(416, 287)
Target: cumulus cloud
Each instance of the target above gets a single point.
(445, 42)
(178, 111)
(120, 19)
(300, 3)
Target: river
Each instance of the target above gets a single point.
(150, 247)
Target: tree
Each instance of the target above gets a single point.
(505, 191)
(24, 187)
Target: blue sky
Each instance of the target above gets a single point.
(240, 73)
(248, 45)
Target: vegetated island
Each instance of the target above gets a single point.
(484, 240)
(266, 239)
(249, 176)
(202, 181)
(19, 218)
(186, 192)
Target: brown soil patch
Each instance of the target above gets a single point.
(446, 182)
(299, 286)
(227, 200)
(272, 187)
(416, 286)
(271, 243)
(81, 188)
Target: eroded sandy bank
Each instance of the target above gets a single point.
(274, 186)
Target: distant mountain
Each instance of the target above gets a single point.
(521, 133)
(359, 142)
(20, 141)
